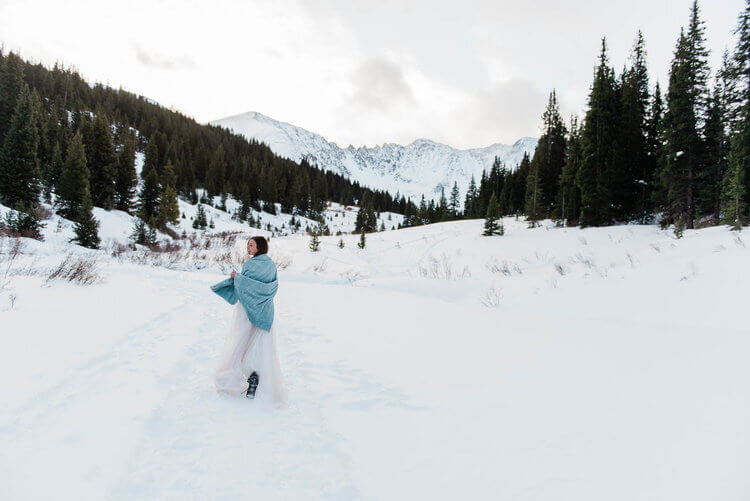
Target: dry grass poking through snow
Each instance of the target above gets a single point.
(81, 269)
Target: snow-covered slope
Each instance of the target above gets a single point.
(584, 364)
(422, 167)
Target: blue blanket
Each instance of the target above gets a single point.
(255, 288)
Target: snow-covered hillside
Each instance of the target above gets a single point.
(422, 167)
(604, 363)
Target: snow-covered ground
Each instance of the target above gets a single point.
(547, 364)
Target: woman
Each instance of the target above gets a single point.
(249, 364)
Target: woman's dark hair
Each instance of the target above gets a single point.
(262, 245)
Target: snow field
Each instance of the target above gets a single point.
(611, 365)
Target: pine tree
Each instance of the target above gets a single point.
(599, 138)
(11, 85)
(149, 197)
(454, 205)
(740, 105)
(86, 227)
(733, 188)
(471, 195)
(314, 242)
(126, 178)
(491, 226)
(533, 195)
(632, 171)
(101, 161)
(73, 188)
(20, 182)
(200, 221)
(546, 164)
(569, 195)
(341, 243)
(169, 211)
(362, 241)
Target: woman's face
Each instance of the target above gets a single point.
(252, 247)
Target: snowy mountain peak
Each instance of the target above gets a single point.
(422, 167)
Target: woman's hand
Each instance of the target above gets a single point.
(232, 275)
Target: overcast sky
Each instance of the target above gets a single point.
(467, 74)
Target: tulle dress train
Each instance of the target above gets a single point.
(250, 349)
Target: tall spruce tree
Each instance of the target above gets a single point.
(86, 227)
(733, 189)
(633, 162)
(491, 226)
(599, 142)
(741, 71)
(20, 182)
(546, 164)
(683, 162)
(569, 194)
(73, 188)
(101, 161)
(11, 84)
(126, 178)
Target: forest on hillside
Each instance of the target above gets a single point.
(61, 135)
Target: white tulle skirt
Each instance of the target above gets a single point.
(249, 349)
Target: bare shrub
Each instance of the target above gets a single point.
(505, 268)
(587, 261)
(492, 298)
(441, 269)
(81, 269)
(321, 265)
(283, 262)
(630, 258)
(351, 276)
(561, 270)
(10, 251)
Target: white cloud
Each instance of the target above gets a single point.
(465, 73)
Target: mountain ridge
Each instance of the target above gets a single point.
(424, 166)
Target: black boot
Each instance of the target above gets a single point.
(252, 382)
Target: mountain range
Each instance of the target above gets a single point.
(422, 167)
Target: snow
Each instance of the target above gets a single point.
(422, 167)
(613, 367)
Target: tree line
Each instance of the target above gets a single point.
(60, 135)
(638, 153)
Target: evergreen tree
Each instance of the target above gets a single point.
(101, 161)
(682, 165)
(455, 204)
(19, 161)
(200, 222)
(654, 149)
(362, 241)
(341, 243)
(599, 138)
(73, 188)
(86, 227)
(740, 146)
(569, 195)
(126, 178)
(633, 162)
(546, 164)
(533, 195)
(471, 195)
(169, 211)
(148, 205)
(11, 85)
(491, 226)
(733, 189)
(314, 242)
